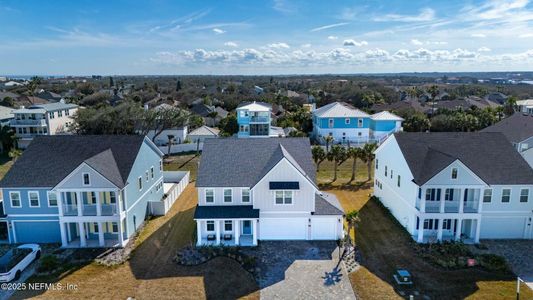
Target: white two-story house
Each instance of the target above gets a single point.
(42, 119)
(451, 186)
(262, 189)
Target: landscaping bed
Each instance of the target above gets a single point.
(193, 256)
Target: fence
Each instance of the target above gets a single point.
(179, 148)
(174, 182)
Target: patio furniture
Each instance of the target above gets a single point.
(211, 237)
(228, 237)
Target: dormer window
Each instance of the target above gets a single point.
(86, 179)
(454, 173)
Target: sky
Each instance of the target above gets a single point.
(249, 37)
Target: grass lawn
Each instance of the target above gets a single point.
(5, 164)
(183, 162)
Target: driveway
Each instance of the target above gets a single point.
(301, 270)
(518, 254)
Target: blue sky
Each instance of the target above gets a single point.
(264, 37)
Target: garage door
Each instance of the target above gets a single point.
(283, 229)
(324, 228)
(502, 228)
(37, 232)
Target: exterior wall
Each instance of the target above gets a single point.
(219, 196)
(59, 125)
(528, 156)
(75, 181)
(195, 138)
(464, 176)
(399, 200)
(341, 122)
(525, 144)
(25, 208)
(137, 200)
(303, 199)
(514, 206)
(180, 134)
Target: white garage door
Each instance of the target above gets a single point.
(283, 229)
(324, 228)
(502, 228)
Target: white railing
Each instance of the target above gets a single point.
(109, 209)
(70, 209)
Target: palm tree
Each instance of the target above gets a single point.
(14, 153)
(354, 153)
(318, 155)
(352, 217)
(338, 156)
(368, 157)
(434, 92)
(329, 140)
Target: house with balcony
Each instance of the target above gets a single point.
(42, 119)
(455, 186)
(81, 191)
(255, 120)
(262, 189)
(347, 124)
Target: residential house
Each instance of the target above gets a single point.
(202, 133)
(49, 96)
(455, 186)
(207, 111)
(347, 124)
(82, 191)
(10, 95)
(42, 119)
(402, 106)
(497, 97)
(6, 115)
(518, 129)
(254, 119)
(262, 189)
(525, 106)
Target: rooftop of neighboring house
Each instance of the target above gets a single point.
(43, 108)
(49, 159)
(527, 102)
(202, 109)
(385, 116)
(401, 105)
(233, 162)
(8, 94)
(255, 106)
(6, 112)
(487, 154)
(50, 96)
(29, 101)
(339, 110)
(205, 131)
(516, 128)
(221, 112)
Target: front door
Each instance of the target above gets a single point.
(246, 227)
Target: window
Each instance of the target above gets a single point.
(140, 183)
(52, 199)
(506, 195)
(34, 199)
(86, 179)
(146, 175)
(228, 226)
(112, 197)
(431, 224)
(227, 195)
(152, 172)
(487, 195)
(95, 227)
(454, 173)
(67, 112)
(432, 194)
(245, 195)
(283, 197)
(391, 172)
(448, 194)
(160, 165)
(347, 121)
(330, 123)
(399, 180)
(359, 122)
(524, 194)
(15, 199)
(209, 196)
(210, 225)
(51, 115)
(419, 193)
(385, 171)
(114, 227)
(447, 224)
(377, 164)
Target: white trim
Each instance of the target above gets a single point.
(460, 163)
(224, 195)
(33, 215)
(214, 225)
(292, 197)
(11, 199)
(83, 179)
(520, 195)
(38, 199)
(151, 145)
(48, 198)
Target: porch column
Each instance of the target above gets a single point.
(480, 200)
(254, 226)
(60, 203)
(120, 232)
(461, 200)
(237, 231)
(442, 200)
(439, 230)
(478, 230)
(423, 201)
(198, 232)
(101, 240)
(64, 240)
(69, 234)
(98, 204)
(83, 241)
(420, 237)
(217, 231)
(458, 229)
(79, 203)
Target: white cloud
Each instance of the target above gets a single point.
(279, 45)
(416, 42)
(329, 26)
(426, 14)
(306, 46)
(526, 35)
(351, 42)
(500, 9)
(231, 44)
(284, 6)
(484, 49)
(218, 31)
(332, 37)
(478, 35)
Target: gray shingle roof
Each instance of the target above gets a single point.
(226, 212)
(55, 106)
(49, 159)
(516, 128)
(488, 154)
(234, 162)
(327, 204)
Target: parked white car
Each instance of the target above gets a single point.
(16, 260)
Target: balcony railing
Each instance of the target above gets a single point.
(451, 206)
(471, 206)
(109, 209)
(70, 209)
(259, 119)
(34, 122)
(89, 209)
(432, 206)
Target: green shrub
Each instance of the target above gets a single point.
(492, 262)
(48, 263)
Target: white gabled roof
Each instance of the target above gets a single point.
(204, 130)
(385, 116)
(339, 110)
(256, 106)
(528, 102)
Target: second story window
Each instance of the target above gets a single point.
(140, 183)
(34, 199)
(330, 123)
(448, 194)
(283, 197)
(227, 195)
(506, 195)
(86, 179)
(152, 172)
(385, 171)
(60, 113)
(67, 112)
(359, 122)
(51, 115)
(377, 164)
(15, 199)
(347, 121)
(160, 165)
(209, 196)
(524, 195)
(487, 195)
(52, 199)
(245, 195)
(454, 173)
(399, 179)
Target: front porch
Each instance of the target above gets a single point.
(92, 234)
(226, 232)
(439, 229)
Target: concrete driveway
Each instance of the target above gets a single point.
(301, 270)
